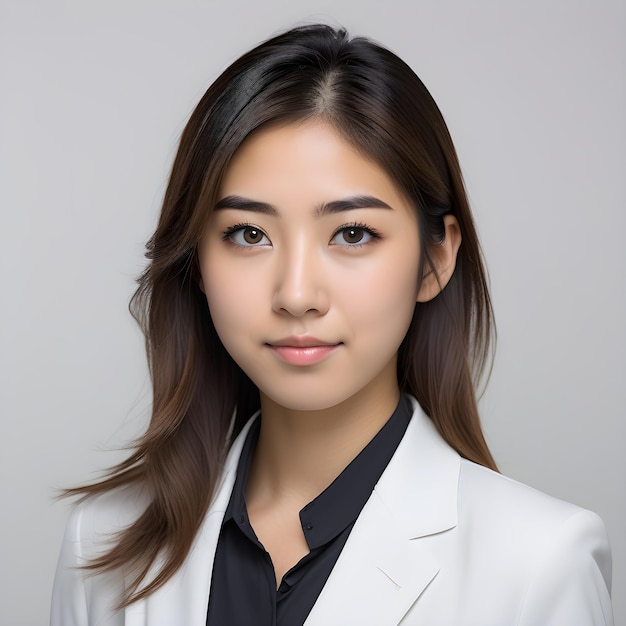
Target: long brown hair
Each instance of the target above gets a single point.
(382, 108)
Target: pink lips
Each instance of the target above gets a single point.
(302, 350)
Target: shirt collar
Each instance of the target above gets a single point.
(338, 506)
(340, 503)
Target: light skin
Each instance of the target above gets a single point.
(310, 265)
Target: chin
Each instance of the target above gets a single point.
(306, 401)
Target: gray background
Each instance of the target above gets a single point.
(94, 96)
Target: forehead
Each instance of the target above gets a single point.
(308, 161)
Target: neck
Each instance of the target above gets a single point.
(300, 453)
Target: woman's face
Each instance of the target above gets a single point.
(310, 268)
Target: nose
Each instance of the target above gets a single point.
(300, 286)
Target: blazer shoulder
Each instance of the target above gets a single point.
(94, 522)
(483, 491)
(562, 552)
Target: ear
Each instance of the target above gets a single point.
(443, 257)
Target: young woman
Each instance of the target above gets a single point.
(316, 318)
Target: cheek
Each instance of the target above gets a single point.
(395, 272)
(227, 299)
(383, 299)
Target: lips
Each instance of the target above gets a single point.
(302, 350)
(304, 341)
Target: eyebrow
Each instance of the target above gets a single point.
(327, 208)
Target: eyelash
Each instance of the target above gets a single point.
(231, 230)
(372, 232)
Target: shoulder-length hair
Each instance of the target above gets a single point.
(382, 108)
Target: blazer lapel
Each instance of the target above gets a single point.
(184, 599)
(398, 543)
(393, 553)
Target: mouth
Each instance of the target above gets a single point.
(302, 350)
(302, 341)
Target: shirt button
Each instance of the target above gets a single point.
(242, 518)
(309, 526)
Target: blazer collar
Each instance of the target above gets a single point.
(398, 542)
(421, 480)
(184, 599)
(392, 554)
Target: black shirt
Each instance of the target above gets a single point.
(243, 587)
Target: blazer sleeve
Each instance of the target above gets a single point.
(572, 583)
(69, 596)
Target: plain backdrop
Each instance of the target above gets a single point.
(93, 98)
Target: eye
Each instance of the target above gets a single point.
(246, 235)
(354, 235)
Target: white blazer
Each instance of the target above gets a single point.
(441, 542)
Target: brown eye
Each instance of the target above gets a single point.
(353, 235)
(252, 235)
(247, 236)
